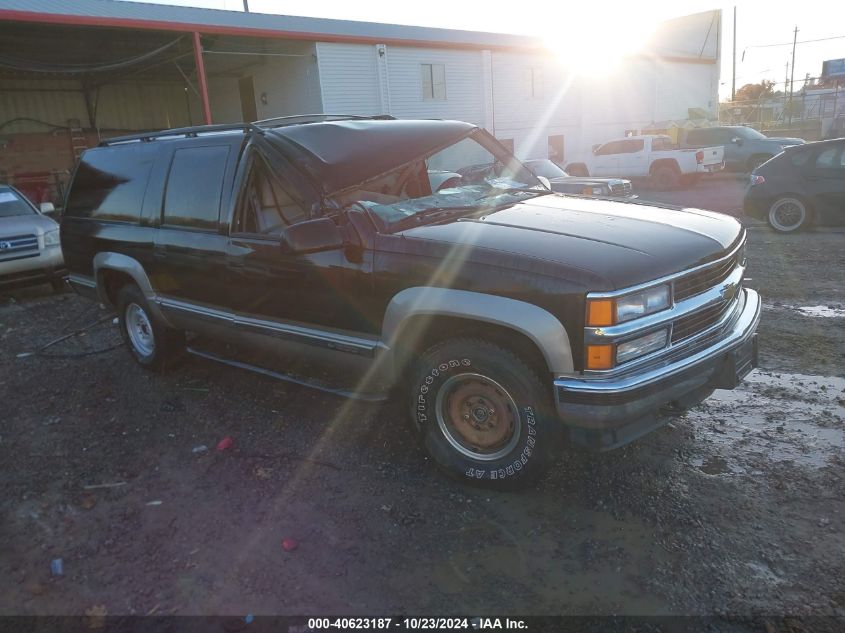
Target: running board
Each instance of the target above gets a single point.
(303, 382)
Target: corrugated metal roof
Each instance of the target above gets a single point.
(142, 14)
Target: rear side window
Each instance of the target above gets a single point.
(110, 183)
(661, 143)
(799, 159)
(194, 186)
(831, 158)
(632, 147)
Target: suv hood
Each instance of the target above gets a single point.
(622, 243)
(30, 224)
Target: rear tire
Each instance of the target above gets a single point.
(483, 414)
(666, 177)
(152, 344)
(789, 214)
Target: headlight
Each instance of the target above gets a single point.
(641, 346)
(51, 238)
(604, 312)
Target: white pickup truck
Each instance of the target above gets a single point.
(650, 156)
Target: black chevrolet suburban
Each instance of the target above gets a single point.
(329, 251)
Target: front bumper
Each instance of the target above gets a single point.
(609, 412)
(46, 266)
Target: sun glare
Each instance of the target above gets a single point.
(598, 49)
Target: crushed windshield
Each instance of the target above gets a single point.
(470, 176)
(545, 168)
(11, 204)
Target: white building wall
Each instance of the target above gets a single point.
(286, 86)
(464, 89)
(348, 78)
(534, 97)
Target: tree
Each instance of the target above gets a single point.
(752, 92)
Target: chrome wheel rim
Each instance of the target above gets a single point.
(140, 330)
(787, 214)
(478, 417)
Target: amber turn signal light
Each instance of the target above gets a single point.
(600, 312)
(599, 356)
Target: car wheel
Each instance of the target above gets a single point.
(755, 161)
(666, 177)
(152, 344)
(483, 414)
(788, 214)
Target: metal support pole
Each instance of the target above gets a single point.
(792, 74)
(206, 104)
(733, 79)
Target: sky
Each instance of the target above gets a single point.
(760, 24)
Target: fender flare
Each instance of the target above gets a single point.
(539, 325)
(132, 267)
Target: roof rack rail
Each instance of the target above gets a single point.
(187, 132)
(296, 119)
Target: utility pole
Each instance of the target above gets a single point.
(246, 6)
(733, 80)
(792, 75)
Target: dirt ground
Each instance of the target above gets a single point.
(736, 508)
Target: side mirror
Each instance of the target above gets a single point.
(47, 208)
(736, 140)
(545, 182)
(312, 236)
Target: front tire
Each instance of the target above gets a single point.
(152, 344)
(483, 414)
(788, 214)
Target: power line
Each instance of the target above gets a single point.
(821, 39)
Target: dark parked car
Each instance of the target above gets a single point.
(561, 182)
(317, 251)
(804, 185)
(745, 147)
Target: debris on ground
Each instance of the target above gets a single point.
(225, 444)
(289, 544)
(57, 567)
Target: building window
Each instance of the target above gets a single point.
(535, 83)
(433, 82)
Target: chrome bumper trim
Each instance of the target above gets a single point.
(742, 330)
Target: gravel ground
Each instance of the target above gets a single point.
(735, 508)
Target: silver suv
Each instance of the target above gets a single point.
(30, 252)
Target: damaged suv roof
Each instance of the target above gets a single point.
(330, 151)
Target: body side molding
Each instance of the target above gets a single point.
(539, 325)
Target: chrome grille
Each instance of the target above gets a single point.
(622, 189)
(697, 322)
(704, 279)
(18, 247)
